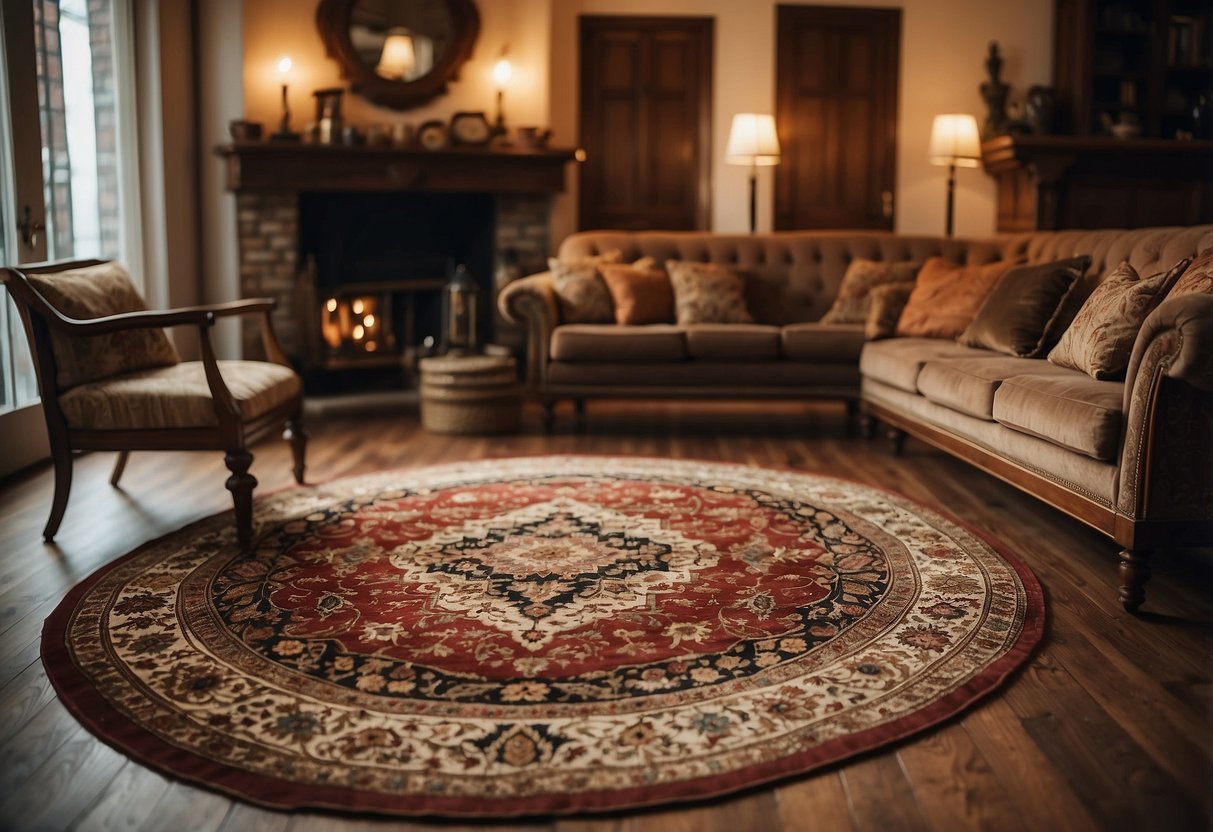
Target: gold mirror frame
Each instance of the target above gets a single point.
(333, 21)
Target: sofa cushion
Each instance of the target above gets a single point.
(640, 296)
(884, 309)
(708, 293)
(733, 342)
(1070, 410)
(827, 343)
(1020, 315)
(968, 385)
(1197, 278)
(1100, 340)
(947, 296)
(610, 342)
(897, 362)
(580, 292)
(731, 378)
(861, 277)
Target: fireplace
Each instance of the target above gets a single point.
(357, 244)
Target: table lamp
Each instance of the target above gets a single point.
(954, 141)
(753, 142)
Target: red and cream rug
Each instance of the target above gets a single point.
(554, 634)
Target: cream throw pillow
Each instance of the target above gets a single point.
(1100, 340)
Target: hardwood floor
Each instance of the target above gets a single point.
(1109, 727)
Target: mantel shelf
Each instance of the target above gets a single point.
(282, 166)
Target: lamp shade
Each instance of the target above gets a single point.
(954, 141)
(752, 140)
(398, 58)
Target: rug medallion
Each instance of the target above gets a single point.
(551, 634)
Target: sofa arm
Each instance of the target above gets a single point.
(531, 303)
(1166, 467)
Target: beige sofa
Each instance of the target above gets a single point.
(1132, 458)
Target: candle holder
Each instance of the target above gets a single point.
(285, 133)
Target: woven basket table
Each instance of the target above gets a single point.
(470, 394)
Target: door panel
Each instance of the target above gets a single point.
(646, 122)
(836, 107)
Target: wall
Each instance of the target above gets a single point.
(942, 61)
(273, 28)
(943, 51)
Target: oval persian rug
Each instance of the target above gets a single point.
(541, 635)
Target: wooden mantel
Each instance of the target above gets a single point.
(1055, 182)
(272, 166)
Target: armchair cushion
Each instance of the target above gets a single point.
(177, 396)
(95, 292)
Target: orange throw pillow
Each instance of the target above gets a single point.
(641, 296)
(946, 297)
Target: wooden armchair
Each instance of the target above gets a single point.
(111, 380)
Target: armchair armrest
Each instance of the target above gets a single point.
(203, 316)
(1167, 459)
(531, 302)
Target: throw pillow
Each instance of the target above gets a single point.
(946, 297)
(1100, 340)
(640, 296)
(646, 262)
(706, 293)
(580, 293)
(862, 276)
(1197, 278)
(885, 304)
(1020, 315)
(95, 292)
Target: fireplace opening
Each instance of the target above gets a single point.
(375, 264)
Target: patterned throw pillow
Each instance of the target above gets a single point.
(706, 293)
(1020, 316)
(884, 310)
(95, 292)
(946, 297)
(862, 276)
(1100, 341)
(580, 293)
(1197, 279)
(640, 296)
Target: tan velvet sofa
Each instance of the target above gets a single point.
(1131, 458)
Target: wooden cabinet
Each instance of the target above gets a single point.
(1054, 182)
(1144, 62)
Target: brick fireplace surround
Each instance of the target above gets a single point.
(269, 180)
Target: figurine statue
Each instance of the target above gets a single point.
(994, 91)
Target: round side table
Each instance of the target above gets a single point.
(470, 394)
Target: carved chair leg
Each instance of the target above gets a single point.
(549, 415)
(297, 436)
(897, 440)
(241, 483)
(1134, 572)
(119, 467)
(63, 486)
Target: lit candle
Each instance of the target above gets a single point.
(284, 129)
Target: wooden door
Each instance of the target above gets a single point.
(646, 122)
(836, 109)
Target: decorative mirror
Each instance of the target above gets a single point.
(399, 53)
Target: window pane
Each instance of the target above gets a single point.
(74, 40)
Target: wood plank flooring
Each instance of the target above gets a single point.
(1110, 726)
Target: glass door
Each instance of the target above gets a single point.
(60, 170)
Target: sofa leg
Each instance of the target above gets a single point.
(548, 416)
(852, 411)
(897, 440)
(241, 483)
(119, 467)
(1134, 572)
(867, 425)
